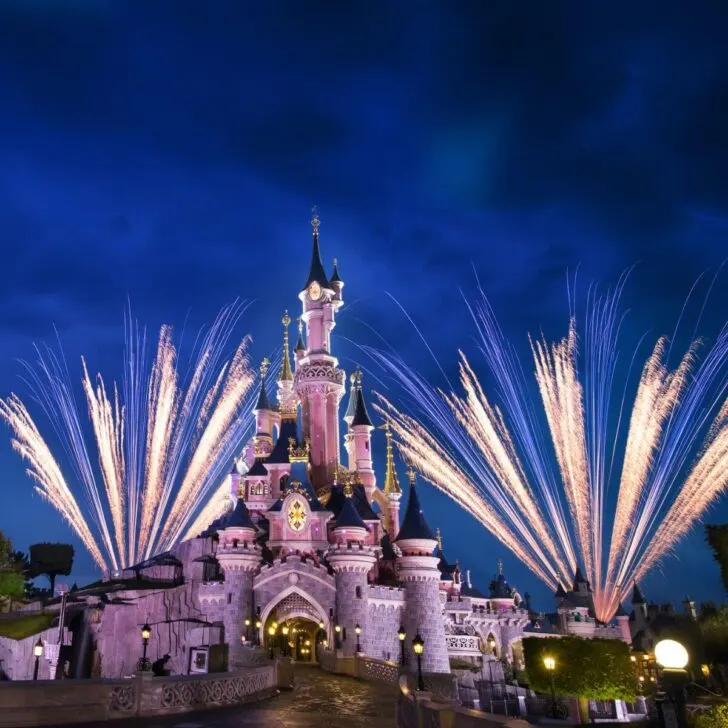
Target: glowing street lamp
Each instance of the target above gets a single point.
(418, 645)
(337, 636)
(672, 657)
(285, 629)
(38, 652)
(146, 634)
(402, 634)
(357, 630)
(271, 635)
(550, 664)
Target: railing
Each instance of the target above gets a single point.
(369, 668)
(54, 702)
(463, 644)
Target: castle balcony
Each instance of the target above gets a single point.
(463, 645)
(211, 591)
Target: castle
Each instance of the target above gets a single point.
(311, 555)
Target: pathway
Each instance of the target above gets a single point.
(319, 700)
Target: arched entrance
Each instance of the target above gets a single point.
(294, 626)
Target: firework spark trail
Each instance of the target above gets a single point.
(141, 442)
(465, 447)
(511, 385)
(108, 426)
(46, 473)
(562, 396)
(657, 394)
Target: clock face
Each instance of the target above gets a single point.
(314, 291)
(296, 515)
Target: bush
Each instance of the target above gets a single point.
(598, 669)
(716, 717)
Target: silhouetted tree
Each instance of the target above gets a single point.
(52, 560)
(717, 538)
(12, 581)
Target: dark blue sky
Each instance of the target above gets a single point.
(171, 151)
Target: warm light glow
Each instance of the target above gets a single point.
(275, 625)
(633, 658)
(271, 630)
(337, 628)
(146, 632)
(418, 645)
(705, 669)
(325, 643)
(357, 629)
(247, 621)
(671, 654)
(402, 634)
(549, 663)
(307, 643)
(258, 624)
(38, 648)
(321, 625)
(285, 629)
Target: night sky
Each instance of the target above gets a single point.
(170, 153)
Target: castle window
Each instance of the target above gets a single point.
(230, 598)
(367, 445)
(358, 592)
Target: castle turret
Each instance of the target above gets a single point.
(263, 415)
(622, 620)
(361, 430)
(418, 570)
(319, 383)
(336, 283)
(287, 399)
(690, 611)
(238, 556)
(391, 487)
(351, 560)
(300, 349)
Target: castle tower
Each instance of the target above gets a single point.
(622, 620)
(263, 411)
(418, 569)
(361, 431)
(351, 561)
(287, 399)
(391, 488)
(690, 611)
(348, 417)
(239, 556)
(319, 383)
(639, 608)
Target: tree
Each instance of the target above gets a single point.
(12, 581)
(52, 560)
(598, 669)
(717, 538)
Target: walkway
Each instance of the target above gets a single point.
(319, 700)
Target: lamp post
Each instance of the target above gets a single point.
(357, 631)
(271, 635)
(402, 634)
(38, 652)
(418, 645)
(550, 664)
(672, 657)
(146, 634)
(285, 629)
(248, 622)
(258, 625)
(337, 636)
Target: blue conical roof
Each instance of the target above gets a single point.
(414, 524)
(361, 416)
(240, 517)
(349, 517)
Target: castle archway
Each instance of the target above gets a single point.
(294, 623)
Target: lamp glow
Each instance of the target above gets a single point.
(38, 648)
(671, 655)
(549, 663)
(418, 645)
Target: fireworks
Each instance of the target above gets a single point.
(494, 462)
(161, 446)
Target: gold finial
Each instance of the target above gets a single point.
(298, 454)
(335, 262)
(500, 567)
(352, 379)
(286, 374)
(264, 367)
(391, 484)
(412, 475)
(300, 324)
(348, 490)
(439, 539)
(315, 221)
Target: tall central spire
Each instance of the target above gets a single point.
(391, 484)
(316, 271)
(286, 375)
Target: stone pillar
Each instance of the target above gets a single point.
(423, 609)
(351, 563)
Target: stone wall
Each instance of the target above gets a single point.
(423, 616)
(386, 607)
(177, 621)
(18, 661)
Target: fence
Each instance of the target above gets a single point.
(54, 702)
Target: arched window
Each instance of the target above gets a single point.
(358, 592)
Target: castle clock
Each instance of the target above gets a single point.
(296, 515)
(314, 291)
